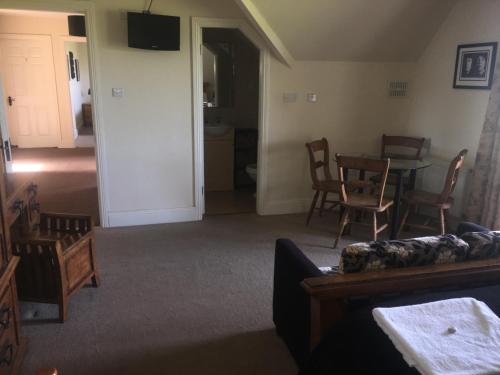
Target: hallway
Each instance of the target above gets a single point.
(66, 178)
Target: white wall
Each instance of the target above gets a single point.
(149, 131)
(353, 111)
(452, 118)
(57, 27)
(78, 88)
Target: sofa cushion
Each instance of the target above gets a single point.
(482, 245)
(379, 255)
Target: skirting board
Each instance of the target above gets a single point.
(145, 217)
(291, 206)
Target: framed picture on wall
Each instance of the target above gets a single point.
(71, 65)
(475, 65)
(77, 68)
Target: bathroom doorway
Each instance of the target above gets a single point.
(231, 68)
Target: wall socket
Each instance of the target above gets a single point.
(312, 97)
(289, 97)
(117, 92)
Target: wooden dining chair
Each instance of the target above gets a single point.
(400, 147)
(359, 201)
(442, 201)
(321, 183)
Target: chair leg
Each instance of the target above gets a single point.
(374, 215)
(403, 221)
(442, 221)
(313, 206)
(63, 309)
(343, 222)
(322, 206)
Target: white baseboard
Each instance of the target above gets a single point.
(145, 217)
(282, 207)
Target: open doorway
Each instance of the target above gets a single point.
(44, 69)
(231, 65)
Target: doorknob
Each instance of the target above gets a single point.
(10, 99)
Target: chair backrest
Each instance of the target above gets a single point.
(452, 176)
(362, 164)
(411, 145)
(320, 145)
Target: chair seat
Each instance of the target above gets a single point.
(367, 202)
(327, 185)
(66, 239)
(426, 198)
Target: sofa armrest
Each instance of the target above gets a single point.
(291, 307)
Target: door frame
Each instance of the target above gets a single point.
(87, 9)
(197, 24)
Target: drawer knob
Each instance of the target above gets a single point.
(18, 205)
(6, 355)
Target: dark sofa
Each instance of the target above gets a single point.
(291, 303)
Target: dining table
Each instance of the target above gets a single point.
(398, 167)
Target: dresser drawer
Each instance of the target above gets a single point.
(8, 350)
(7, 311)
(25, 199)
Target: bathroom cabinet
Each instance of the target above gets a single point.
(219, 160)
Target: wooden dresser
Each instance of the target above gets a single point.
(17, 205)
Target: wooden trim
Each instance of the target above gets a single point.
(329, 293)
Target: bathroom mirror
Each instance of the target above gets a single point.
(209, 77)
(218, 74)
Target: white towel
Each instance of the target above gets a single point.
(424, 336)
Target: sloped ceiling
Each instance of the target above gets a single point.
(355, 30)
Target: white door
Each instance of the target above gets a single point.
(27, 68)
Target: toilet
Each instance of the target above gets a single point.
(251, 170)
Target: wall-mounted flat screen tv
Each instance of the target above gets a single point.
(151, 31)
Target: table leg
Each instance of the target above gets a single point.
(360, 191)
(413, 178)
(396, 206)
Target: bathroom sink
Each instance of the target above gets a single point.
(216, 130)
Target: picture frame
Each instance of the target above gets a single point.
(77, 69)
(475, 65)
(72, 65)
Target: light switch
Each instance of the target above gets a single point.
(117, 92)
(289, 97)
(312, 97)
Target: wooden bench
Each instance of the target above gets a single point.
(329, 294)
(56, 260)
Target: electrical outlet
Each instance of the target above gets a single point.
(117, 92)
(312, 97)
(289, 97)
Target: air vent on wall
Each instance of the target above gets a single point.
(398, 89)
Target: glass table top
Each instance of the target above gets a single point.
(396, 164)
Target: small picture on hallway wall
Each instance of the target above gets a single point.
(475, 65)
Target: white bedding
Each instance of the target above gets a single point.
(458, 336)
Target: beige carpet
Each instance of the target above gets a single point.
(188, 298)
(66, 178)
